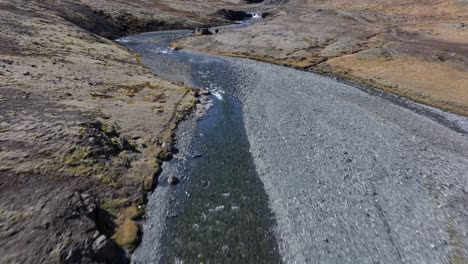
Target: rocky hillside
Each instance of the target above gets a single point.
(110, 18)
(84, 126)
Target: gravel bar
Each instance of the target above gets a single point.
(353, 177)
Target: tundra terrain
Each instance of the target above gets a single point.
(416, 49)
(84, 126)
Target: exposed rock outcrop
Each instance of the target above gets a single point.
(233, 15)
(202, 31)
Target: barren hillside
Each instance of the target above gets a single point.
(84, 126)
(417, 49)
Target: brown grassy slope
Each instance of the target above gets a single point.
(411, 48)
(422, 9)
(81, 130)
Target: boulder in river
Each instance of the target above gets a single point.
(202, 31)
(203, 91)
(173, 180)
(165, 155)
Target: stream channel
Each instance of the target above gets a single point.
(219, 212)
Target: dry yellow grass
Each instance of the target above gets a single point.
(441, 31)
(127, 234)
(128, 231)
(441, 9)
(416, 49)
(438, 84)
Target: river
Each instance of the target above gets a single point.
(350, 174)
(219, 212)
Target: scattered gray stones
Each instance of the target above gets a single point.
(381, 209)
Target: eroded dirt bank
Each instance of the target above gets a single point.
(84, 126)
(414, 49)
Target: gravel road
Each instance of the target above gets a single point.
(352, 177)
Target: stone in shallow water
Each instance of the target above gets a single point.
(173, 180)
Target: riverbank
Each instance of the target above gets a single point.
(300, 136)
(414, 52)
(362, 180)
(84, 128)
(218, 212)
(87, 126)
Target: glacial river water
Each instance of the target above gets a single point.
(219, 212)
(351, 174)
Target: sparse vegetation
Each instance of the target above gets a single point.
(376, 42)
(89, 137)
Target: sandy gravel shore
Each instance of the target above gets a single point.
(352, 177)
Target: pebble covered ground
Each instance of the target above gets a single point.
(352, 177)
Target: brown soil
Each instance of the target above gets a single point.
(417, 49)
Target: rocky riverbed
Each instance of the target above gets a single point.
(218, 210)
(409, 48)
(84, 126)
(351, 176)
